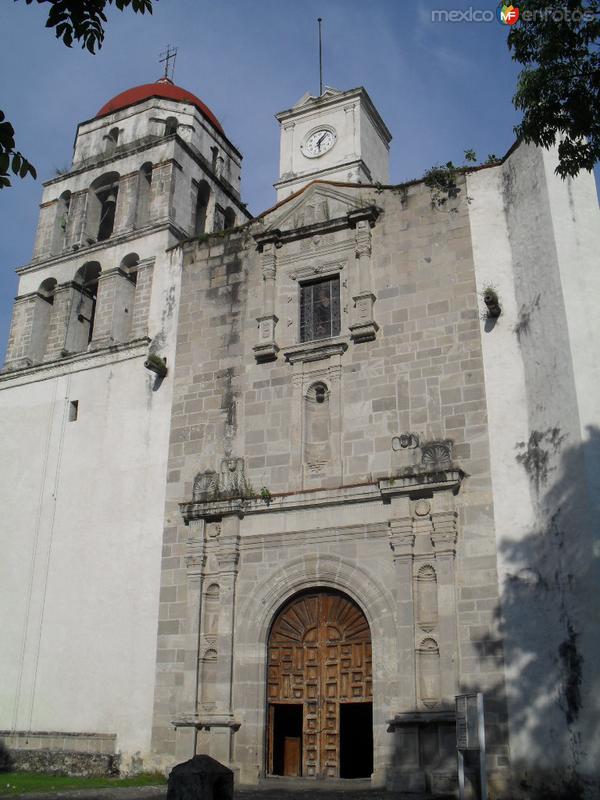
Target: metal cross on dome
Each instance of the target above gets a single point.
(167, 55)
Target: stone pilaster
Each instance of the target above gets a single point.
(76, 235)
(363, 327)
(267, 349)
(143, 294)
(443, 539)
(164, 188)
(18, 350)
(45, 230)
(186, 721)
(69, 327)
(126, 203)
(114, 308)
(402, 544)
(216, 723)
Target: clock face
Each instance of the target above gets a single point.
(319, 142)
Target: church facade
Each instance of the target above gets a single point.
(278, 488)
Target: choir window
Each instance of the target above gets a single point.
(320, 309)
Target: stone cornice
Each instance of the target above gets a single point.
(412, 480)
(349, 220)
(74, 363)
(105, 245)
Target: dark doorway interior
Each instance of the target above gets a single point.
(287, 739)
(356, 740)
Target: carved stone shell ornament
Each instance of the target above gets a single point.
(436, 455)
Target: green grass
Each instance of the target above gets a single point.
(12, 783)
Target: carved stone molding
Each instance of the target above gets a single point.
(402, 538)
(327, 268)
(267, 348)
(365, 328)
(445, 532)
(316, 350)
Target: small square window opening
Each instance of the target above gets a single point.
(73, 410)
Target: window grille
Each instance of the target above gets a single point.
(320, 309)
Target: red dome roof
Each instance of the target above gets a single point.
(163, 88)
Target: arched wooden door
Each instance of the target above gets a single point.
(319, 676)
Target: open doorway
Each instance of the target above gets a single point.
(356, 740)
(286, 743)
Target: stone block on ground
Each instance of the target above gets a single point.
(200, 778)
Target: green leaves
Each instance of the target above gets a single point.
(73, 21)
(558, 90)
(83, 20)
(11, 159)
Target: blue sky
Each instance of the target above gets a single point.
(440, 87)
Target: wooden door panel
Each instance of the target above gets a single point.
(319, 654)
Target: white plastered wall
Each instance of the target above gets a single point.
(536, 241)
(82, 534)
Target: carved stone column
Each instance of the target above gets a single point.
(187, 717)
(219, 722)
(363, 327)
(443, 540)
(267, 349)
(402, 542)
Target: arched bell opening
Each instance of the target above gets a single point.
(319, 688)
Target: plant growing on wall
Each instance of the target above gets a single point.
(442, 181)
(266, 496)
(492, 302)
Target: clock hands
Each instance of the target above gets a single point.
(320, 140)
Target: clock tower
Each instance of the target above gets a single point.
(338, 136)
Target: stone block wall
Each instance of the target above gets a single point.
(78, 754)
(407, 361)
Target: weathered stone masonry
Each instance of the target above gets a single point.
(417, 370)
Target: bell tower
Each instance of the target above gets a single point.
(338, 136)
(85, 395)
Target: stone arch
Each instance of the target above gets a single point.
(208, 679)
(171, 125)
(129, 265)
(201, 208)
(144, 195)
(81, 321)
(211, 609)
(47, 289)
(426, 598)
(317, 443)
(319, 668)
(312, 572)
(429, 678)
(112, 139)
(228, 218)
(42, 316)
(102, 203)
(306, 572)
